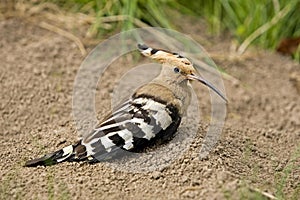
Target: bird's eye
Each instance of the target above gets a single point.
(176, 70)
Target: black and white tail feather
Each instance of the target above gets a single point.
(151, 115)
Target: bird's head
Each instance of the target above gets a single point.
(175, 67)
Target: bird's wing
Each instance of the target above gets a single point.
(132, 126)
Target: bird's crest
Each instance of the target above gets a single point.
(163, 56)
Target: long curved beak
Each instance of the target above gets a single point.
(194, 77)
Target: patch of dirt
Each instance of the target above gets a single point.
(259, 150)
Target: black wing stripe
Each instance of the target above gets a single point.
(117, 140)
(101, 133)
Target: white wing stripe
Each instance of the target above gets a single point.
(107, 143)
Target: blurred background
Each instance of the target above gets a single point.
(269, 24)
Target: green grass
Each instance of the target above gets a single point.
(122, 15)
(258, 22)
(296, 55)
(268, 20)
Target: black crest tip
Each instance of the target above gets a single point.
(142, 47)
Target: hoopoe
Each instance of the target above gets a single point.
(152, 114)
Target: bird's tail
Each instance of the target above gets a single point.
(68, 153)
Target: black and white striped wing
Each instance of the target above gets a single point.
(135, 125)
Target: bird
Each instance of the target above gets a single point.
(151, 115)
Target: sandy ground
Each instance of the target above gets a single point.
(258, 152)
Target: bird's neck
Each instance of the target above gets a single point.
(172, 83)
(181, 90)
